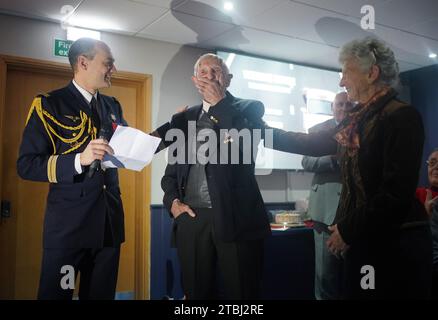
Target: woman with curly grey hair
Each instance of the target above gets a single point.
(380, 230)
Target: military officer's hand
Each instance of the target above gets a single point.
(96, 149)
(179, 208)
(182, 109)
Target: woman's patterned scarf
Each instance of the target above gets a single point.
(348, 136)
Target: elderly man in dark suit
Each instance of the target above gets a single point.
(219, 217)
(323, 202)
(83, 224)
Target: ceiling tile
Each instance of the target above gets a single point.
(306, 31)
(115, 15)
(190, 29)
(293, 19)
(408, 47)
(213, 9)
(300, 51)
(405, 13)
(161, 3)
(426, 28)
(47, 9)
(276, 46)
(337, 31)
(347, 7)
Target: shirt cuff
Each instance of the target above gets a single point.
(78, 166)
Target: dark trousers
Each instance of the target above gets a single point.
(201, 255)
(402, 263)
(98, 270)
(435, 282)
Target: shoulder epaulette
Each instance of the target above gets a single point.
(85, 128)
(44, 94)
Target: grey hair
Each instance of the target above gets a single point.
(218, 59)
(371, 51)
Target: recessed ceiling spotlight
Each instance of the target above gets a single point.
(432, 55)
(228, 6)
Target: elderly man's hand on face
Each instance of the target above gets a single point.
(211, 90)
(335, 243)
(211, 78)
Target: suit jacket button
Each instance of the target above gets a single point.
(104, 186)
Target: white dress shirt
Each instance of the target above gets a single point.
(88, 96)
(205, 105)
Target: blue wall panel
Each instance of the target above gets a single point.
(288, 270)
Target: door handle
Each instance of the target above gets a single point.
(5, 209)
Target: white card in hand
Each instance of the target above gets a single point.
(133, 149)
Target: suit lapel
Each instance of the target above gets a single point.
(193, 113)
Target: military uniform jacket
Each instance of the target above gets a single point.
(81, 212)
(239, 211)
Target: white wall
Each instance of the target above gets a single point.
(285, 186)
(169, 64)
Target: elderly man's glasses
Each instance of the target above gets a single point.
(432, 163)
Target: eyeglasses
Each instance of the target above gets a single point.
(432, 163)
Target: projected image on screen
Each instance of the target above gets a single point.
(295, 98)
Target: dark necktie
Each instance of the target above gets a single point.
(94, 104)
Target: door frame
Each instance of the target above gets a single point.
(143, 83)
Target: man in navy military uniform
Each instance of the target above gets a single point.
(66, 131)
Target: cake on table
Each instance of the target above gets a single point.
(288, 217)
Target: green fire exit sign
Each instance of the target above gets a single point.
(61, 47)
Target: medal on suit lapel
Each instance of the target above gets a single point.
(228, 138)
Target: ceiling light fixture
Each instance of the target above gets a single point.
(74, 34)
(228, 6)
(432, 55)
